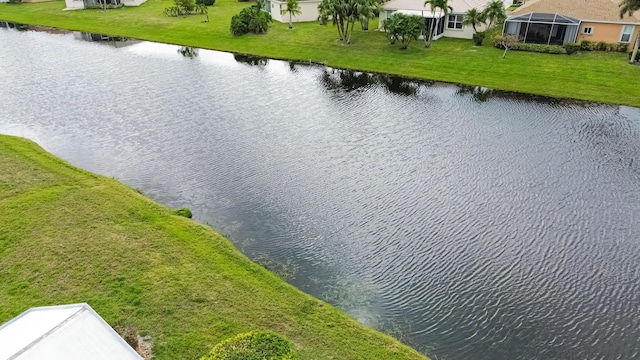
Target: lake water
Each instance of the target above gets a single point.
(469, 223)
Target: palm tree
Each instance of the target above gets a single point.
(494, 12)
(629, 7)
(367, 9)
(343, 13)
(442, 5)
(293, 8)
(473, 17)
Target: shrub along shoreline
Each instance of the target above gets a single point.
(594, 76)
(70, 236)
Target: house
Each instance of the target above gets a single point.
(69, 332)
(449, 27)
(81, 4)
(278, 8)
(560, 22)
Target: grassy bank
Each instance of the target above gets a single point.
(596, 76)
(69, 236)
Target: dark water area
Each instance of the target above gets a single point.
(469, 223)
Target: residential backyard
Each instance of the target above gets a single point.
(596, 76)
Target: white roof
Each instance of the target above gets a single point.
(459, 6)
(69, 332)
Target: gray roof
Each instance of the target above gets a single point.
(69, 332)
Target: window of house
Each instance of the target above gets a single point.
(588, 30)
(455, 22)
(627, 31)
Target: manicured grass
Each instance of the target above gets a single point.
(69, 236)
(596, 76)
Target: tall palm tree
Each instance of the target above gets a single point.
(473, 17)
(629, 7)
(434, 5)
(293, 8)
(494, 12)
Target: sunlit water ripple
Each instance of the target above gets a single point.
(471, 225)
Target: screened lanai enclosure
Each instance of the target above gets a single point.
(541, 28)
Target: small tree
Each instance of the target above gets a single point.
(474, 18)
(391, 26)
(508, 42)
(293, 8)
(251, 20)
(187, 5)
(403, 28)
(494, 12)
(367, 10)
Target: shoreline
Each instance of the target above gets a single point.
(76, 236)
(592, 76)
(511, 93)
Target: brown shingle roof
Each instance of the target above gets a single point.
(595, 10)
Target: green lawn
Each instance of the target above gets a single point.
(605, 77)
(69, 236)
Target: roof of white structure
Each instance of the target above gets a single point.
(459, 6)
(67, 332)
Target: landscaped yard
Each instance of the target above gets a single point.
(69, 236)
(597, 76)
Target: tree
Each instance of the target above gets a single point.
(404, 28)
(293, 8)
(343, 14)
(629, 7)
(367, 9)
(445, 8)
(508, 42)
(251, 20)
(474, 18)
(390, 27)
(494, 12)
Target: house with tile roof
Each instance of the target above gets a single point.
(449, 27)
(560, 22)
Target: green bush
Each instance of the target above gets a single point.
(251, 20)
(206, 2)
(184, 212)
(637, 56)
(571, 48)
(478, 38)
(602, 46)
(541, 48)
(255, 345)
(15, 1)
(548, 49)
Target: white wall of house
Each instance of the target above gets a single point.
(74, 4)
(309, 9)
(79, 4)
(132, 2)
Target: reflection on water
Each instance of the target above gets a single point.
(115, 41)
(251, 60)
(349, 80)
(468, 222)
(188, 51)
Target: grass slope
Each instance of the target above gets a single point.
(70, 236)
(596, 76)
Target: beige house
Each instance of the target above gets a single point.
(560, 22)
(277, 9)
(451, 26)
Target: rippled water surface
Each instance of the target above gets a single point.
(471, 224)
